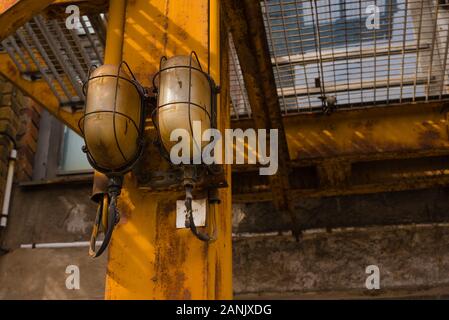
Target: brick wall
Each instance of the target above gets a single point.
(27, 136)
(9, 123)
(19, 117)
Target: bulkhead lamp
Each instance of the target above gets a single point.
(185, 93)
(113, 122)
(112, 127)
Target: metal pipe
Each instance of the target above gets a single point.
(116, 29)
(57, 245)
(8, 188)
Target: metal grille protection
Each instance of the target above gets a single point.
(361, 53)
(61, 56)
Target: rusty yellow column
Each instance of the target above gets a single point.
(149, 258)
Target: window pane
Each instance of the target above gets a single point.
(73, 159)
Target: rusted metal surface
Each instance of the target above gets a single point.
(401, 129)
(248, 32)
(359, 151)
(365, 134)
(171, 179)
(219, 262)
(149, 258)
(249, 196)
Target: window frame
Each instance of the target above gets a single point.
(49, 153)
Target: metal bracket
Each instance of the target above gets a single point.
(206, 177)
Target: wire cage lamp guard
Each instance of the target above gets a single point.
(139, 127)
(215, 90)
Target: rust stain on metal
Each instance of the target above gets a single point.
(170, 255)
(15, 14)
(149, 256)
(428, 138)
(373, 131)
(11, 68)
(218, 278)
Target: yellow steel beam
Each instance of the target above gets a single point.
(86, 7)
(149, 258)
(361, 151)
(368, 132)
(16, 13)
(39, 91)
(68, 2)
(365, 134)
(246, 25)
(6, 4)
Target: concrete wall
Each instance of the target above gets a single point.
(413, 262)
(41, 274)
(406, 234)
(47, 214)
(418, 206)
(50, 213)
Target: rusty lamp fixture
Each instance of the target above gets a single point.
(185, 93)
(112, 127)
